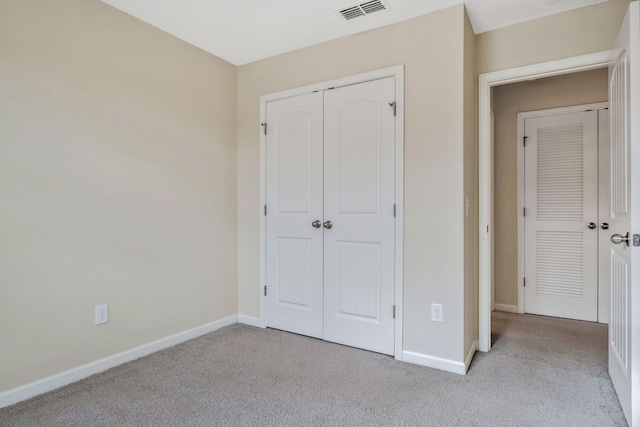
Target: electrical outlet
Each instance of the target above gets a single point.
(437, 313)
(102, 314)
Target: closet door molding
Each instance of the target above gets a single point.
(396, 72)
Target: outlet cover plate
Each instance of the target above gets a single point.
(437, 313)
(102, 314)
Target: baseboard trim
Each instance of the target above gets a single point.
(506, 307)
(53, 382)
(249, 320)
(470, 354)
(434, 362)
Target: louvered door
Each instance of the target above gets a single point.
(561, 199)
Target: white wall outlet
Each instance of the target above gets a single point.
(102, 314)
(436, 313)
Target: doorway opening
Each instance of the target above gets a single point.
(487, 82)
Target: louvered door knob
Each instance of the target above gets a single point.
(328, 225)
(316, 224)
(591, 225)
(604, 225)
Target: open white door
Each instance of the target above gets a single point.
(624, 326)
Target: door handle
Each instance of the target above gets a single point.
(619, 238)
(328, 225)
(591, 225)
(316, 224)
(604, 225)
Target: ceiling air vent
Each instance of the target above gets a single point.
(362, 9)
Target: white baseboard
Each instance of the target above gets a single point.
(506, 307)
(469, 358)
(440, 363)
(30, 390)
(249, 320)
(434, 362)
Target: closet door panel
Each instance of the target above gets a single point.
(359, 197)
(294, 201)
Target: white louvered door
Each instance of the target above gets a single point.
(561, 199)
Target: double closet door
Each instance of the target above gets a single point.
(330, 226)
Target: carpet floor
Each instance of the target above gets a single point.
(541, 372)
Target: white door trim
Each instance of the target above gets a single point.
(520, 177)
(485, 158)
(397, 72)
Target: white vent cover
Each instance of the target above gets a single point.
(362, 9)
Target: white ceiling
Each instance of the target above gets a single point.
(243, 31)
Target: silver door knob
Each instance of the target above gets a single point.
(604, 225)
(591, 225)
(316, 224)
(619, 238)
(328, 225)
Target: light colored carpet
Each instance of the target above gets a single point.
(541, 372)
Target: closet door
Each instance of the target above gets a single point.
(294, 215)
(561, 199)
(359, 185)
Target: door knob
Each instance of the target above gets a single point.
(316, 224)
(328, 225)
(604, 225)
(619, 238)
(591, 225)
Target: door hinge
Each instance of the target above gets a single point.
(265, 210)
(487, 228)
(393, 105)
(265, 290)
(524, 141)
(264, 127)
(394, 311)
(524, 282)
(394, 211)
(524, 211)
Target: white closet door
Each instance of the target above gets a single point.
(294, 202)
(561, 199)
(359, 202)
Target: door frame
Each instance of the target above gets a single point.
(521, 181)
(485, 165)
(398, 73)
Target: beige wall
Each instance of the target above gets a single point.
(573, 89)
(431, 48)
(581, 31)
(117, 181)
(470, 188)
